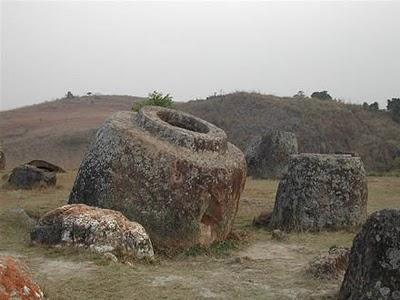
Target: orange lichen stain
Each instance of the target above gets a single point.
(15, 281)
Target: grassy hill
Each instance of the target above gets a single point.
(59, 131)
(320, 126)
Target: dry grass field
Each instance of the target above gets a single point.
(253, 267)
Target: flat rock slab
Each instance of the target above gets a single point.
(321, 191)
(100, 230)
(374, 267)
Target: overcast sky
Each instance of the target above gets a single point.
(191, 50)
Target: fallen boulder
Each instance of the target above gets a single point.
(267, 156)
(100, 230)
(374, 266)
(45, 165)
(172, 172)
(15, 281)
(321, 191)
(28, 177)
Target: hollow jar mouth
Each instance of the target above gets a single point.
(182, 129)
(183, 121)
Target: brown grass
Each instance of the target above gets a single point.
(259, 269)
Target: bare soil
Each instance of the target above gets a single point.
(256, 267)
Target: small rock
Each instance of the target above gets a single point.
(263, 219)
(100, 230)
(330, 266)
(28, 177)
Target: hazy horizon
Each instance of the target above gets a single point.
(195, 49)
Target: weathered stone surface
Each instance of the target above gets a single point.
(27, 177)
(331, 265)
(15, 281)
(174, 173)
(100, 230)
(46, 166)
(268, 156)
(374, 267)
(321, 192)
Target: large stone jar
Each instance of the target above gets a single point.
(374, 267)
(172, 172)
(268, 155)
(321, 191)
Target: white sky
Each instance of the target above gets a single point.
(191, 50)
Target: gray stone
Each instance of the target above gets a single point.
(331, 265)
(46, 166)
(374, 267)
(172, 172)
(28, 177)
(321, 191)
(99, 230)
(268, 156)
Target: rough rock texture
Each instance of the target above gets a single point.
(321, 192)
(15, 281)
(374, 267)
(27, 177)
(174, 173)
(330, 266)
(268, 156)
(45, 165)
(100, 230)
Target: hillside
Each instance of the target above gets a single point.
(59, 131)
(320, 126)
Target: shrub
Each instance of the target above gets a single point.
(393, 106)
(155, 99)
(374, 106)
(323, 95)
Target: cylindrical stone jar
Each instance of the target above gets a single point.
(321, 191)
(172, 172)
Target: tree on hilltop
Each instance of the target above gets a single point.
(322, 95)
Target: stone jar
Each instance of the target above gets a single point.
(374, 267)
(268, 155)
(321, 192)
(172, 172)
